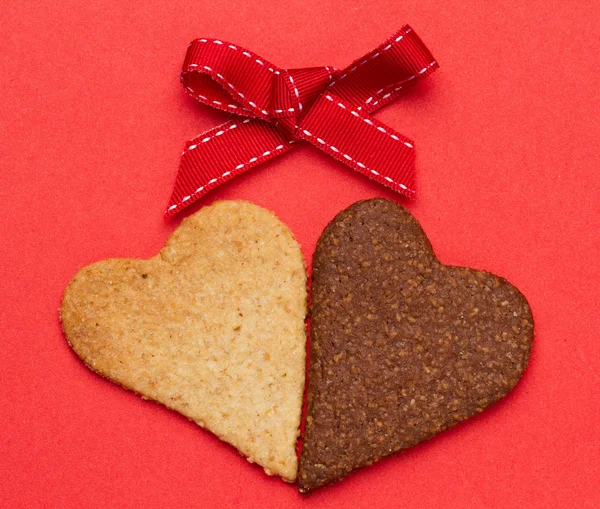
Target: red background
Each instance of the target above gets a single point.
(93, 120)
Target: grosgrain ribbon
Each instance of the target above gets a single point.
(275, 108)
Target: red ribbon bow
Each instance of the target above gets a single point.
(275, 108)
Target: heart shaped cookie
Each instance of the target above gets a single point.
(402, 346)
(212, 327)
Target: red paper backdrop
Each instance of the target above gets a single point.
(93, 120)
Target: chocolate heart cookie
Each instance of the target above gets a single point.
(402, 346)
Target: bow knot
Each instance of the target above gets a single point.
(274, 108)
(293, 93)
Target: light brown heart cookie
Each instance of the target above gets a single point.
(212, 327)
(402, 346)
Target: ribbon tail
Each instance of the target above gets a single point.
(222, 153)
(361, 142)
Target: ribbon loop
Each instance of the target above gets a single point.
(328, 108)
(237, 77)
(377, 78)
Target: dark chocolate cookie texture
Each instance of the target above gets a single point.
(402, 346)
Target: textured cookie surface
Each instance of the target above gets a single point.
(402, 346)
(212, 327)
